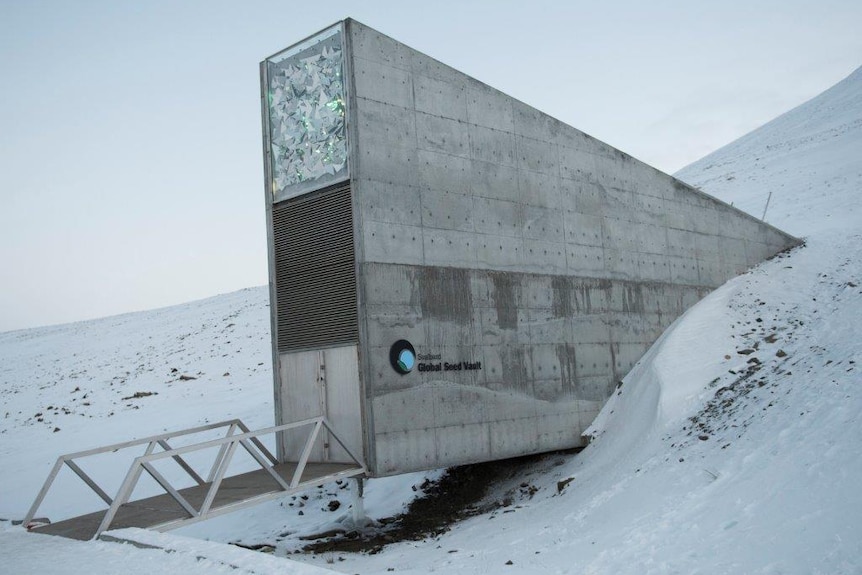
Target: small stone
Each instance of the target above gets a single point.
(703, 437)
(509, 562)
(780, 353)
(561, 485)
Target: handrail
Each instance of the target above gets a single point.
(227, 445)
(150, 439)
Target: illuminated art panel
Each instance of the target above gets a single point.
(306, 107)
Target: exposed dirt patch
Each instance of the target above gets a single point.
(460, 493)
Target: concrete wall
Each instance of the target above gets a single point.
(488, 231)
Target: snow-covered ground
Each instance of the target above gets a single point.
(72, 387)
(734, 446)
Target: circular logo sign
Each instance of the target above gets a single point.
(402, 356)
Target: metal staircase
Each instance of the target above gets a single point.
(216, 494)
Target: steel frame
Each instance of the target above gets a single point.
(227, 445)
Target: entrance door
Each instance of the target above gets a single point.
(323, 382)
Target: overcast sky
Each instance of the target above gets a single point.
(130, 156)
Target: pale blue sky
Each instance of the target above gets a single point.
(130, 156)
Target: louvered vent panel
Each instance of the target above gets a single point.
(314, 270)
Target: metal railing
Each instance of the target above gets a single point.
(227, 447)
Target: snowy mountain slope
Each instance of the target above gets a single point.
(734, 446)
(810, 158)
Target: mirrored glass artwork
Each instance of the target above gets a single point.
(307, 115)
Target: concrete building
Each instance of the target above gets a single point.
(456, 276)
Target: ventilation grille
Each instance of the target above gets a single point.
(315, 275)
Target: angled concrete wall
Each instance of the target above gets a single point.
(490, 232)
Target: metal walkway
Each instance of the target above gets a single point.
(216, 495)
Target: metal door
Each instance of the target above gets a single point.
(322, 382)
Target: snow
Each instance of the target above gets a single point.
(809, 158)
(734, 446)
(80, 379)
(51, 555)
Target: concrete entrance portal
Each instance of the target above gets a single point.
(455, 276)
